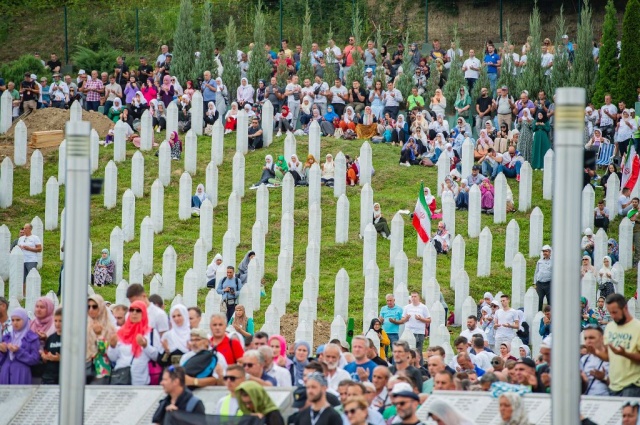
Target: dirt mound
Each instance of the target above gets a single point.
(321, 330)
(55, 119)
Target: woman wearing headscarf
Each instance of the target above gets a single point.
(243, 268)
(462, 105)
(100, 329)
(244, 94)
(42, 324)
(505, 351)
(491, 131)
(444, 413)
(442, 239)
(301, 350)
(175, 341)
(611, 169)
(149, 90)
(135, 345)
(241, 322)
(221, 97)
(176, 145)
(214, 269)
(184, 113)
(524, 125)
(261, 92)
(483, 144)
(198, 198)
(331, 116)
(189, 90)
(279, 346)
(167, 92)
(19, 351)
(283, 121)
(385, 342)
(268, 172)
(625, 129)
(380, 223)
(587, 267)
(211, 114)
(368, 127)
(177, 86)
(296, 168)
(607, 283)
(305, 111)
(400, 131)
(409, 153)
(328, 171)
(450, 155)
(231, 119)
(462, 200)
(253, 400)
(587, 315)
(137, 106)
(156, 109)
(525, 351)
(595, 141)
(438, 103)
(104, 269)
(431, 203)
(115, 110)
(512, 410)
(486, 196)
(349, 120)
(541, 143)
(612, 251)
(449, 185)
(501, 141)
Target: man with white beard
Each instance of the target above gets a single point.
(334, 374)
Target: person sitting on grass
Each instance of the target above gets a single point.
(268, 172)
(104, 269)
(197, 199)
(380, 223)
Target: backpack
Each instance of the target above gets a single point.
(191, 404)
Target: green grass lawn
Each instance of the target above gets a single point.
(394, 188)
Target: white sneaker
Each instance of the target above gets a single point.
(227, 131)
(279, 134)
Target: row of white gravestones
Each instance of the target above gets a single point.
(51, 204)
(6, 183)
(36, 173)
(191, 152)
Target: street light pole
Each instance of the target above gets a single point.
(74, 288)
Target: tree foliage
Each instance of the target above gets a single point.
(356, 72)
(608, 68)
(532, 77)
(231, 73)
(184, 44)
(482, 81)
(560, 74)
(306, 70)
(456, 76)
(403, 82)
(432, 83)
(14, 71)
(380, 75)
(88, 59)
(207, 61)
(584, 67)
(259, 67)
(329, 70)
(507, 76)
(629, 76)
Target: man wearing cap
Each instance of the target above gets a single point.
(475, 177)
(525, 374)
(202, 366)
(5, 320)
(300, 402)
(542, 276)
(58, 92)
(228, 405)
(319, 412)
(368, 78)
(29, 92)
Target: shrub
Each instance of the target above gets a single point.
(231, 72)
(608, 69)
(629, 75)
(207, 60)
(184, 44)
(259, 67)
(584, 67)
(306, 70)
(14, 71)
(100, 60)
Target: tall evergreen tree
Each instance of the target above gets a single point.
(608, 62)
(329, 69)
(584, 67)
(380, 75)
(207, 60)
(184, 44)
(356, 72)
(259, 67)
(482, 81)
(433, 83)
(629, 76)
(532, 77)
(231, 73)
(456, 76)
(560, 74)
(404, 83)
(306, 70)
(507, 75)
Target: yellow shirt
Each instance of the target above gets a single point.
(622, 371)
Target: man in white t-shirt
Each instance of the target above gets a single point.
(472, 329)
(547, 61)
(335, 57)
(624, 202)
(608, 115)
(30, 245)
(471, 68)
(334, 374)
(320, 92)
(506, 322)
(416, 317)
(339, 94)
(293, 91)
(158, 318)
(451, 53)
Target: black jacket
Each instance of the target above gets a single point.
(181, 403)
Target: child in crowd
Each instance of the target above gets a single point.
(51, 353)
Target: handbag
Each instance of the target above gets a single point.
(122, 376)
(155, 369)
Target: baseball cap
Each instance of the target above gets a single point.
(320, 350)
(299, 397)
(199, 333)
(527, 362)
(34, 77)
(369, 70)
(565, 36)
(345, 345)
(546, 248)
(81, 72)
(401, 387)
(496, 303)
(476, 167)
(406, 394)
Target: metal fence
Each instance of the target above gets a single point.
(143, 30)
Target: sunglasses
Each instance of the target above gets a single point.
(135, 310)
(248, 365)
(350, 412)
(231, 378)
(400, 404)
(92, 307)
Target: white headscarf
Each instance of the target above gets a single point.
(347, 119)
(518, 412)
(139, 99)
(449, 152)
(377, 214)
(117, 103)
(177, 88)
(178, 336)
(202, 195)
(211, 111)
(268, 160)
(447, 413)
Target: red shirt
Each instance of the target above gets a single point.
(231, 349)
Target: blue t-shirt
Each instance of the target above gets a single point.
(352, 367)
(493, 58)
(391, 313)
(209, 95)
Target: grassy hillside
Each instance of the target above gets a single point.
(394, 188)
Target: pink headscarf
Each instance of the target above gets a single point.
(45, 324)
(283, 345)
(166, 82)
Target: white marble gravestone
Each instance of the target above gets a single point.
(52, 201)
(128, 215)
(338, 328)
(38, 230)
(366, 208)
(536, 229)
(526, 183)
(289, 146)
(206, 224)
(341, 299)
(197, 113)
(110, 185)
(137, 174)
(75, 111)
(287, 234)
(512, 245)
(461, 293)
(233, 221)
(34, 290)
(172, 119)
(314, 139)
(401, 269)
(20, 144)
(449, 212)
(457, 257)
(190, 288)
(95, 150)
(186, 193)
(369, 247)
(599, 248)
(288, 200)
(530, 304)
(366, 163)
(6, 111)
(625, 238)
(547, 179)
(36, 169)
(6, 183)
(211, 183)
(135, 269)
(267, 124)
(16, 273)
(340, 175)
(467, 157)
(485, 247)
(121, 293)
(146, 245)
(120, 141)
(518, 280)
(342, 219)
(200, 263)
(146, 131)
(242, 136)
(217, 143)
(164, 163)
(238, 174)
(428, 264)
(229, 245)
(157, 206)
(191, 152)
(500, 199)
(589, 287)
(443, 171)
(613, 193)
(62, 162)
(169, 258)
(474, 221)
(5, 244)
(431, 292)
(262, 207)
(397, 237)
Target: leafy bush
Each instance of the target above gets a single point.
(14, 71)
(101, 60)
(629, 74)
(608, 69)
(584, 67)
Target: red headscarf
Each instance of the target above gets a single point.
(127, 334)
